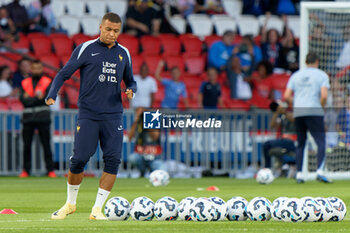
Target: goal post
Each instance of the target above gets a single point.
(325, 30)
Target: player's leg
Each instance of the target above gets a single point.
(111, 141)
(301, 130)
(85, 144)
(45, 137)
(315, 125)
(27, 134)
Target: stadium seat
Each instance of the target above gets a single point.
(59, 7)
(172, 61)
(118, 6)
(193, 45)
(224, 23)
(248, 25)
(90, 25)
(80, 38)
(152, 62)
(72, 95)
(130, 42)
(4, 106)
(209, 40)
(136, 61)
(62, 45)
(41, 46)
(15, 104)
(158, 97)
(195, 65)
(236, 104)
(8, 62)
(70, 23)
(53, 61)
(171, 46)
(178, 23)
(36, 35)
(201, 24)
(274, 22)
(150, 45)
(294, 24)
(96, 7)
(22, 45)
(64, 59)
(76, 8)
(233, 7)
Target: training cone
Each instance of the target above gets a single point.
(213, 188)
(8, 211)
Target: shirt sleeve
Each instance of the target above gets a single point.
(325, 81)
(128, 76)
(74, 63)
(201, 89)
(154, 87)
(166, 81)
(290, 84)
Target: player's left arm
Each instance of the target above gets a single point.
(324, 90)
(131, 86)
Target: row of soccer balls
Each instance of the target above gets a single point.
(236, 209)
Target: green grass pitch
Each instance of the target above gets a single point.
(36, 198)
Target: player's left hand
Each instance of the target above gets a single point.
(129, 93)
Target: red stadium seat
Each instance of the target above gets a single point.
(36, 35)
(62, 45)
(64, 59)
(15, 104)
(41, 45)
(4, 106)
(171, 46)
(158, 97)
(178, 61)
(193, 45)
(53, 61)
(136, 61)
(150, 45)
(209, 40)
(195, 65)
(22, 45)
(80, 38)
(152, 63)
(130, 42)
(4, 60)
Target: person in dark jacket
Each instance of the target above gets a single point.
(36, 115)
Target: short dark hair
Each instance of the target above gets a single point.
(22, 60)
(112, 17)
(267, 65)
(229, 33)
(37, 61)
(311, 58)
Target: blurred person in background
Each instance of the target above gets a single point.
(6, 89)
(36, 115)
(145, 96)
(7, 28)
(220, 51)
(261, 82)
(22, 73)
(210, 7)
(43, 16)
(19, 15)
(174, 88)
(148, 151)
(209, 96)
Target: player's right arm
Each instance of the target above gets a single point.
(64, 74)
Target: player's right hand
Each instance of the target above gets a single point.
(50, 101)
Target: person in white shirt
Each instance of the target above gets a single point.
(310, 87)
(148, 87)
(6, 89)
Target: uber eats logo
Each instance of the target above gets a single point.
(108, 72)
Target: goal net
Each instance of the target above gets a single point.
(325, 29)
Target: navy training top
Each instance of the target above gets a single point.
(101, 71)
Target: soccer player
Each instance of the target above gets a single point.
(310, 87)
(103, 64)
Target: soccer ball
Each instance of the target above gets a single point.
(292, 210)
(236, 209)
(220, 207)
(159, 178)
(259, 209)
(165, 209)
(312, 209)
(326, 209)
(142, 209)
(202, 210)
(117, 209)
(339, 208)
(184, 208)
(276, 205)
(265, 176)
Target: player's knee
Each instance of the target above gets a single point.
(112, 165)
(77, 165)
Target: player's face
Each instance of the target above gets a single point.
(109, 32)
(37, 69)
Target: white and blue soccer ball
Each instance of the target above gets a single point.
(312, 209)
(339, 208)
(276, 208)
(236, 209)
(264, 176)
(184, 207)
(326, 209)
(117, 209)
(259, 209)
(141, 209)
(165, 209)
(159, 178)
(202, 210)
(220, 207)
(292, 210)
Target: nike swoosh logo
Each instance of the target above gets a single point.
(94, 54)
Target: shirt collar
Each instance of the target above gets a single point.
(103, 44)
